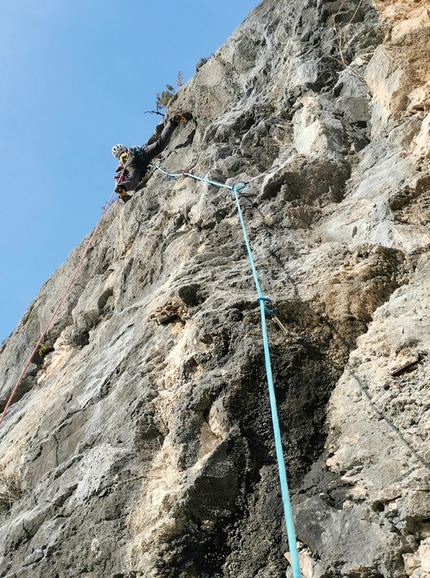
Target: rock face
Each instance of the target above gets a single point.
(140, 443)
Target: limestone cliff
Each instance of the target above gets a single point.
(141, 445)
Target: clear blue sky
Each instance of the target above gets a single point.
(76, 78)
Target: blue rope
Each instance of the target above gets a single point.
(275, 420)
(288, 514)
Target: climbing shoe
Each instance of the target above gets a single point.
(182, 117)
(122, 193)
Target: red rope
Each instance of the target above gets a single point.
(60, 302)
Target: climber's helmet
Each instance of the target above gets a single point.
(118, 149)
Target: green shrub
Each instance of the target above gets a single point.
(44, 349)
(163, 99)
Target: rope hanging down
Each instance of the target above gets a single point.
(264, 309)
(60, 302)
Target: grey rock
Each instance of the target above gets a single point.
(142, 441)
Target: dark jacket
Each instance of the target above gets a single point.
(137, 159)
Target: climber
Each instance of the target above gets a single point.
(134, 160)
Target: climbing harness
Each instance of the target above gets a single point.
(266, 308)
(60, 302)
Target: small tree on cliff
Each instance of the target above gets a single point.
(163, 99)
